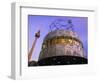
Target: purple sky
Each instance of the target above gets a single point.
(42, 23)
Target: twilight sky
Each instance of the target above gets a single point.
(42, 23)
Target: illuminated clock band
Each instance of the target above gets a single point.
(61, 40)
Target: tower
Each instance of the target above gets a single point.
(37, 35)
